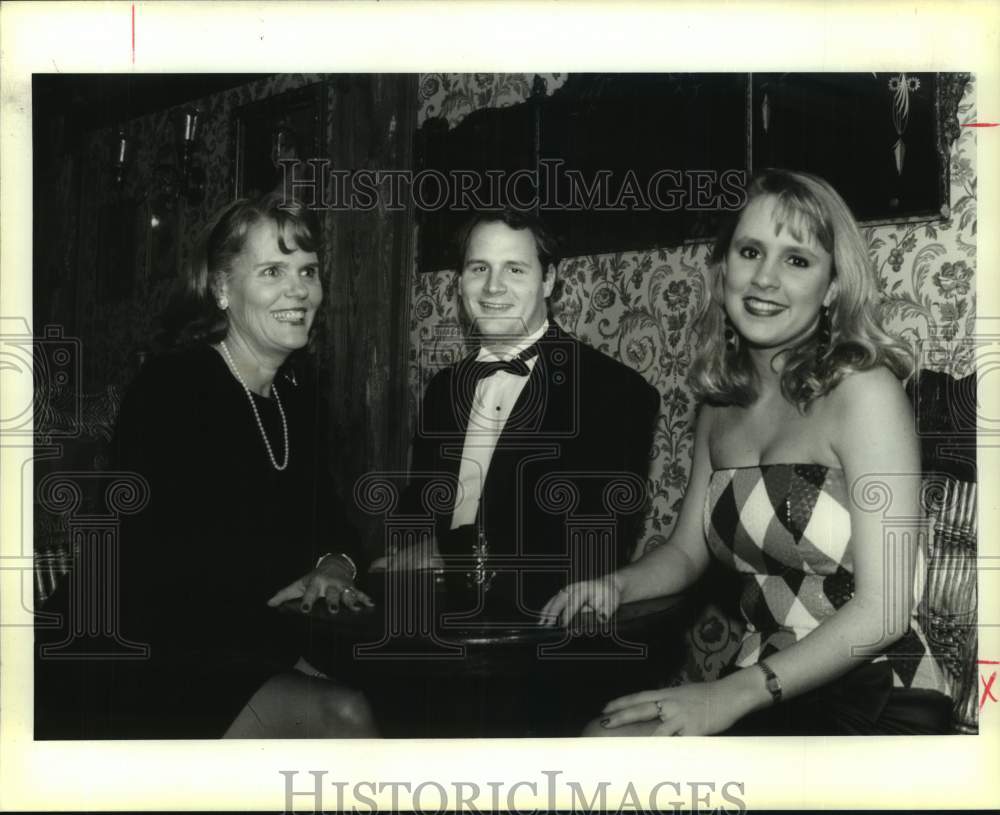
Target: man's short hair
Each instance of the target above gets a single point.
(545, 242)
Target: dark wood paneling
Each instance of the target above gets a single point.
(368, 300)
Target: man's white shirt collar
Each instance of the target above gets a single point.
(515, 348)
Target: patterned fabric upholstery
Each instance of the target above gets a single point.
(712, 642)
(945, 408)
(949, 604)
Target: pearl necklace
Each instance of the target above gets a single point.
(256, 415)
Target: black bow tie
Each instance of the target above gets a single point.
(518, 365)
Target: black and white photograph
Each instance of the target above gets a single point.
(457, 417)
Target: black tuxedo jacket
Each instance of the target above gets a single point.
(566, 489)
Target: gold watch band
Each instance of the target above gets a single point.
(771, 681)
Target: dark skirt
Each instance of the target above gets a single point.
(191, 686)
(863, 702)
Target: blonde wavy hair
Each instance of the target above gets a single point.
(803, 204)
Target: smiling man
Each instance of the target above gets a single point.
(546, 440)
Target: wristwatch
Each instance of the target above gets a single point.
(771, 681)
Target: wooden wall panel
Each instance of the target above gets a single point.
(372, 120)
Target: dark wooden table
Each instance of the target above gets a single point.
(437, 659)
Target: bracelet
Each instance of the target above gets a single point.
(347, 559)
(771, 681)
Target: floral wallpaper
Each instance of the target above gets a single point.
(638, 307)
(927, 270)
(453, 96)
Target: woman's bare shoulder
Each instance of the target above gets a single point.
(876, 389)
(708, 418)
(872, 422)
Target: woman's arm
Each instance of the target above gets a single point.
(873, 436)
(679, 562)
(665, 570)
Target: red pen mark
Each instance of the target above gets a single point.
(133, 33)
(987, 683)
(982, 124)
(987, 692)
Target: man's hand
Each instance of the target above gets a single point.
(331, 580)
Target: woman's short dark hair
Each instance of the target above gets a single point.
(806, 203)
(193, 315)
(545, 242)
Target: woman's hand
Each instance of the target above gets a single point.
(696, 709)
(331, 580)
(602, 596)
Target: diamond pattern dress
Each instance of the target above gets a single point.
(787, 530)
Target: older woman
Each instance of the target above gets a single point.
(242, 518)
(801, 405)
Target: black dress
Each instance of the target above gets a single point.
(223, 531)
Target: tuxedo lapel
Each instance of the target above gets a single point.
(448, 417)
(541, 417)
(460, 395)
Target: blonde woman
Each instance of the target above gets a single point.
(801, 403)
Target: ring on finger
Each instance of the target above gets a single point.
(659, 709)
(347, 589)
